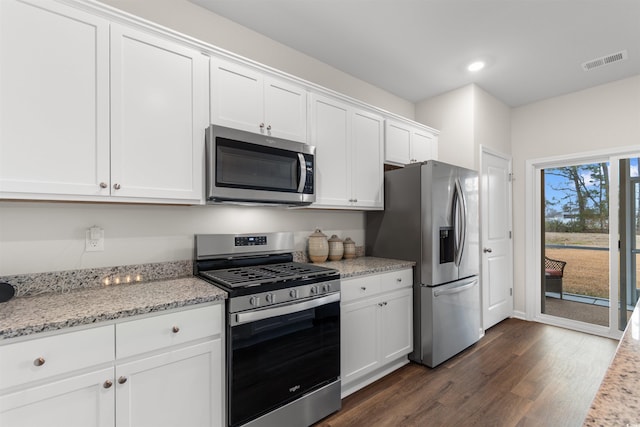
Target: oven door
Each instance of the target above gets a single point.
(247, 167)
(279, 354)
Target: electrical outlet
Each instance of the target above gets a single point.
(94, 241)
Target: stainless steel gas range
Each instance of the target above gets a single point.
(282, 331)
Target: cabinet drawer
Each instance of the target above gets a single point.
(42, 358)
(396, 280)
(152, 333)
(360, 287)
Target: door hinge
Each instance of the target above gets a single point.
(510, 292)
(510, 234)
(511, 177)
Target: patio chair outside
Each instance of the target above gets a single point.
(553, 272)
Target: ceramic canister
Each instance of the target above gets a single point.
(336, 248)
(349, 248)
(318, 247)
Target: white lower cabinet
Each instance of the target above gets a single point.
(171, 389)
(76, 378)
(376, 327)
(76, 401)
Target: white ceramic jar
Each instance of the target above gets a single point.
(336, 248)
(318, 247)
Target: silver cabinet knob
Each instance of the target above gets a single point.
(107, 384)
(175, 329)
(103, 185)
(487, 250)
(269, 127)
(116, 186)
(39, 361)
(399, 280)
(364, 288)
(261, 125)
(122, 380)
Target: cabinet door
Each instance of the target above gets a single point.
(82, 401)
(396, 325)
(285, 109)
(358, 339)
(331, 134)
(397, 144)
(177, 388)
(158, 115)
(423, 146)
(54, 100)
(236, 96)
(367, 164)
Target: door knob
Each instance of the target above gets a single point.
(487, 250)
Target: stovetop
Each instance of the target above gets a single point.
(246, 276)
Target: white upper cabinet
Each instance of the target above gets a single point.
(159, 112)
(54, 99)
(246, 98)
(367, 165)
(349, 169)
(408, 143)
(89, 116)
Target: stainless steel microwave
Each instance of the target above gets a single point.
(245, 167)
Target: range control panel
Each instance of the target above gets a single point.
(251, 241)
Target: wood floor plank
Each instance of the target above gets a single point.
(521, 374)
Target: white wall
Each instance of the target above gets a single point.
(202, 24)
(41, 237)
(467, 118)
(602, 117)
(452, 114)
(492, 119)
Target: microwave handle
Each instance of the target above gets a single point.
(303, 173)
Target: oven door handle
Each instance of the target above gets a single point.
(303, 173)
(267, 313)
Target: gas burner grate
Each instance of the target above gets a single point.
(260, 275)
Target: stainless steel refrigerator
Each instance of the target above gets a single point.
(431, 217)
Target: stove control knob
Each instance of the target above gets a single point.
(314, 290)
(254, 301)
(293, 293)
(326, 288)
(271, 298)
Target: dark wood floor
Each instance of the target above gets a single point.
(520, 374)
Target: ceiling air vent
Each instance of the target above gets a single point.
(605, 60)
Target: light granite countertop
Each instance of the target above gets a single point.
(51, 311)
(49, 302)
(366, 265)
(617, 402)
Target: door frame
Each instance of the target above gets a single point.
(533, 231)
(484, 297)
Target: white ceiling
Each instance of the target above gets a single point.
(417, 49)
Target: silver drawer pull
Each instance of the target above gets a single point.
(107, 384)
(364, 288)
(122, 380)
(39, 361)
(399, 279)
(175, 329)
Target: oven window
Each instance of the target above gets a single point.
(277, 360)
(245, 165)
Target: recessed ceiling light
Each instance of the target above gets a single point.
(476, 66)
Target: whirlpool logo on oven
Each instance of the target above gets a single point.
(294, 388)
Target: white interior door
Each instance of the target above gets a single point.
(497, 249)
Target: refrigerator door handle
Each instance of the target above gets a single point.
(459, 222)
(455, 290)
